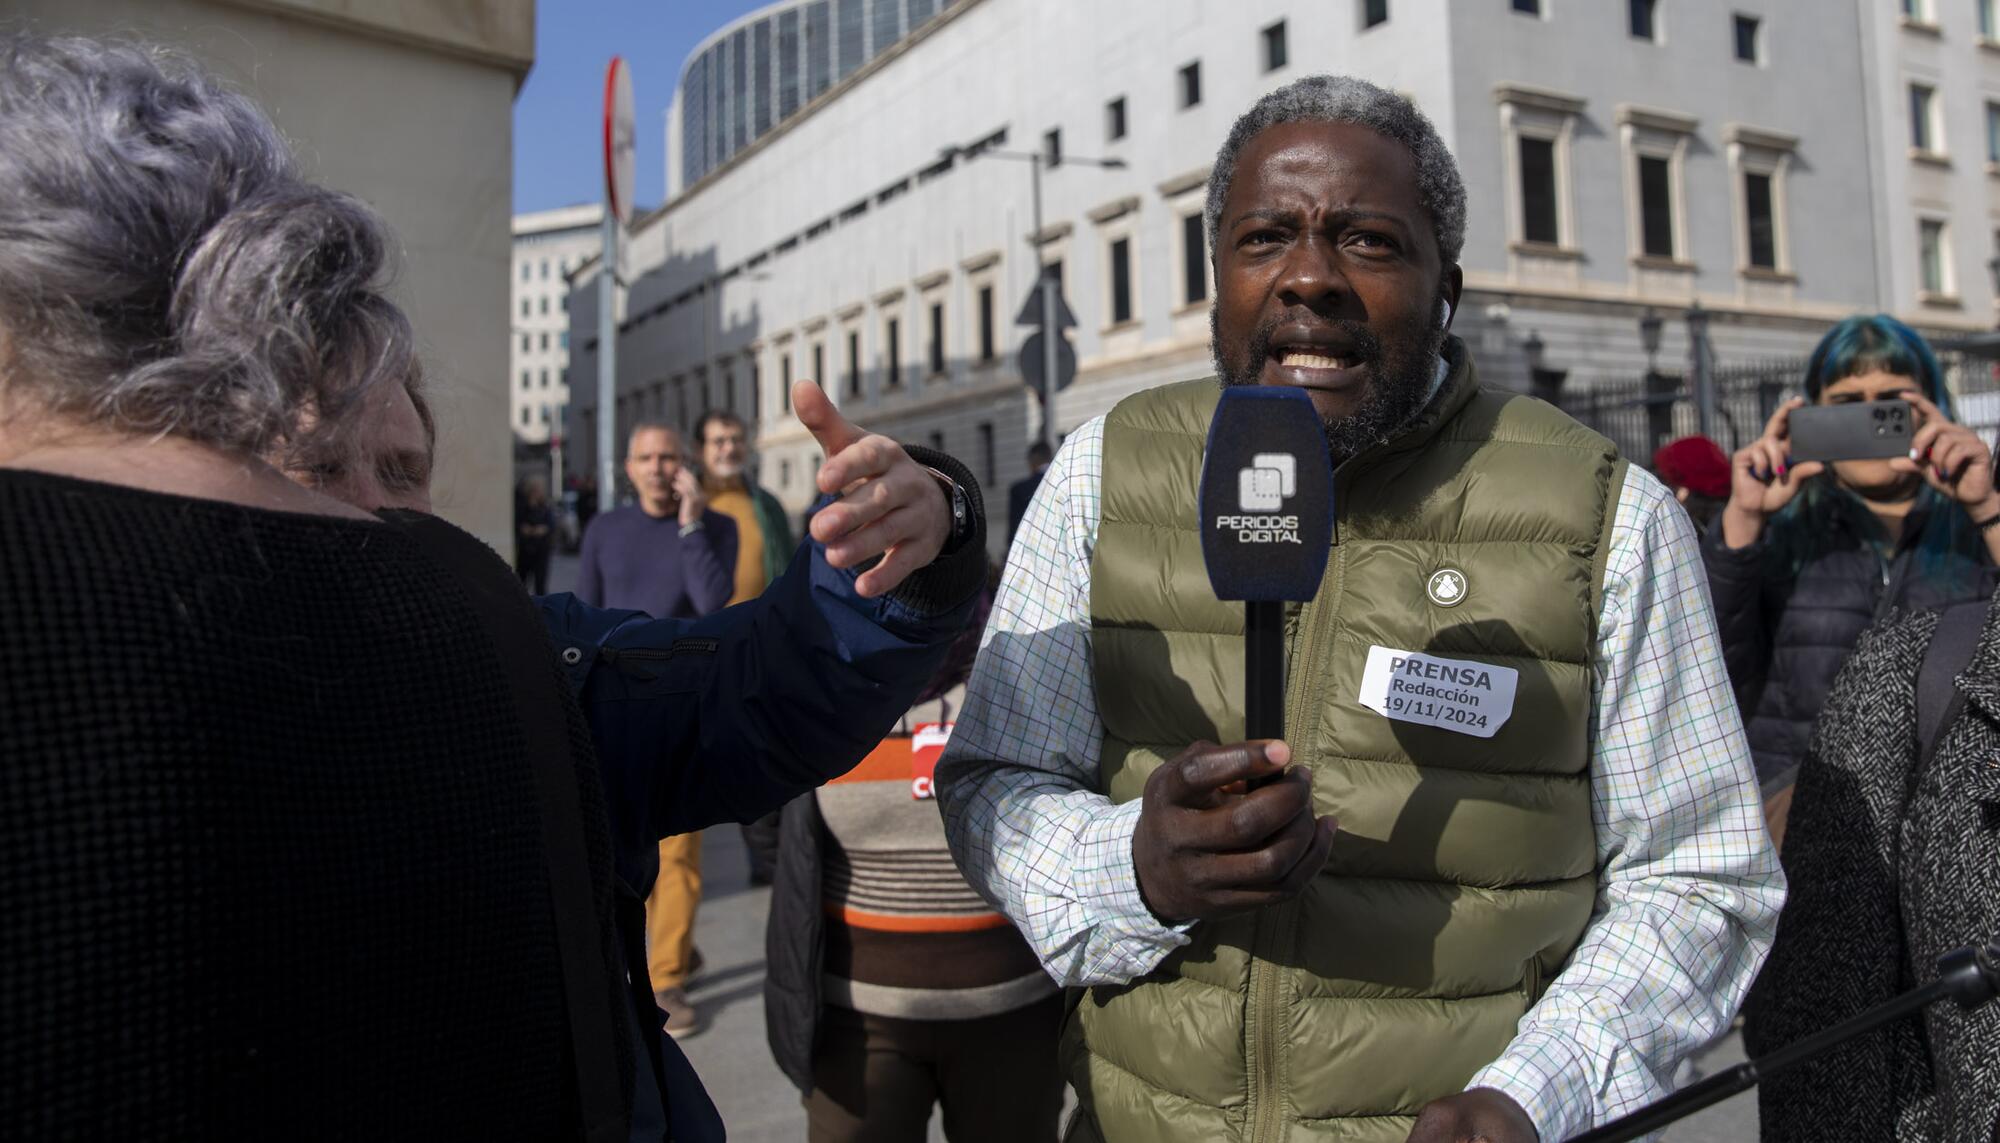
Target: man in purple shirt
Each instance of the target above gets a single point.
(668, 555)
(672, 558)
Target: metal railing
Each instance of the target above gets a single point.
(1641, 413)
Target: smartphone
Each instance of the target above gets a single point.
(1859, 430)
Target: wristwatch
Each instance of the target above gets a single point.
(961, 510)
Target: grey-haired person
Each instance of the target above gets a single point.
(309, 829)
(1500, 909)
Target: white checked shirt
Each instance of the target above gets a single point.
(1688, 884)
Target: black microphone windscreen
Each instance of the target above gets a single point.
(1266, 495)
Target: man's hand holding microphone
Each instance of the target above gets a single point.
(1227, 829)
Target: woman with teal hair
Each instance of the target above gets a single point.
(1805, 556)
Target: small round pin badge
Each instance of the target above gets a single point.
(1447, 587)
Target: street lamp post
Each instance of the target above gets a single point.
(1993, 267)
(1698, 371)
(1046, 284)
(1650, 325)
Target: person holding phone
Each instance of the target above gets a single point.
(1806, 555)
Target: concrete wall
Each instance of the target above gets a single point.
(407, 104)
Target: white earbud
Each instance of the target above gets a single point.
(1444, 312)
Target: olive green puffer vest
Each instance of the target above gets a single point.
(1463, 872)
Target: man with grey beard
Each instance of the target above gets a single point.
(1503, 913)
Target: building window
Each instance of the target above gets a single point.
(527, 378)
(760, 76)
(1992, 132)
(1761, 218)
(1374, 12)
(545, 305)
(526, 307)
(527, 272)
(1923, 119)
(853, 363)
(1644, 25)
(819, 364)
(545, 414)
(1936, 268)
(1121, 280)
(562, 340)
(1747, 28)
(527, 343)
(852, 32)
(937, 339)
(1539, 219)
(988, 475)
(1191, 85)
(1194, 259)
(1052, 147)
(545, 378)
(888, 25)
(1917, 11)
(1274, 47)
(986, 347)
(1114, 119)
(545, 269)
(892, 335)
(545, 341)
(729, 390)
(1656, 207)
(1528, 7)
(756, 392)
(785, 381)
(1989, 23)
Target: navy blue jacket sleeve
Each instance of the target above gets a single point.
(730, 716)
(709, 554)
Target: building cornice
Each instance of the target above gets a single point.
(1116, 209)
(1539, 98)
(1656, 119)
(1749, 136)
(1053, 232)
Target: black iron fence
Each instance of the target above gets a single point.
(1642, 413)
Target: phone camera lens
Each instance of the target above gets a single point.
(1881, 414)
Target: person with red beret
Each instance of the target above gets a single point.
(1697, 470)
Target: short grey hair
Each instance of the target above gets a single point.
(1344, 99)
(164, 268)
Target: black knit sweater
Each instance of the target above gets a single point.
(270, 852)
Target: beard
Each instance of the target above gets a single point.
(1402, 364)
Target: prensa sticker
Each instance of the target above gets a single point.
(1452, 694)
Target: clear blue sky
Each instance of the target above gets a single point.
(559, 114)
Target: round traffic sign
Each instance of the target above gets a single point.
(619, 140)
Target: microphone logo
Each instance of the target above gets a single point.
(1262, 487)
(1270, 479)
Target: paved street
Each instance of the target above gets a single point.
(761, 1106)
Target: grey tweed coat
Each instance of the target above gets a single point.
(1891, 866)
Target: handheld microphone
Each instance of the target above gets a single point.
(1266, 527)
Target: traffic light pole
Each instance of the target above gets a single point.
(1050, 332)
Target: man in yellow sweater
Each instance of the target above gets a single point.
(764, 546)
